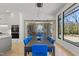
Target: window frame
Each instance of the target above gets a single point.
(59, 16)
(72, 6)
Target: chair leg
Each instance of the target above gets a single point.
(25, 53)
(53, 53)
(28, 52)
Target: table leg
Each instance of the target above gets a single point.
(53, 51)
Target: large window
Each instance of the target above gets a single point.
(59, 26)
(71, 26)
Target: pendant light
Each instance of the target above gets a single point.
(39, 6)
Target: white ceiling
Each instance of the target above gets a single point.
(31, 7)
(29, 10)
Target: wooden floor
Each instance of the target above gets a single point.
(17, 50)
(60, 51)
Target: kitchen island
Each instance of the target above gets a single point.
(5, 42)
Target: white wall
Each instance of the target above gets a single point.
(8, 18)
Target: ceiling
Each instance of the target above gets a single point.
(9, 12)
(30, 10)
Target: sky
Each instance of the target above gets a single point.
(70, 17)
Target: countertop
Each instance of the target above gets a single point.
(4, 35)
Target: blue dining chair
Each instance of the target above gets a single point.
(39, 49)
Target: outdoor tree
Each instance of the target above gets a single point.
(74, 15)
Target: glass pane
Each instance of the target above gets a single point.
(71, 27)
